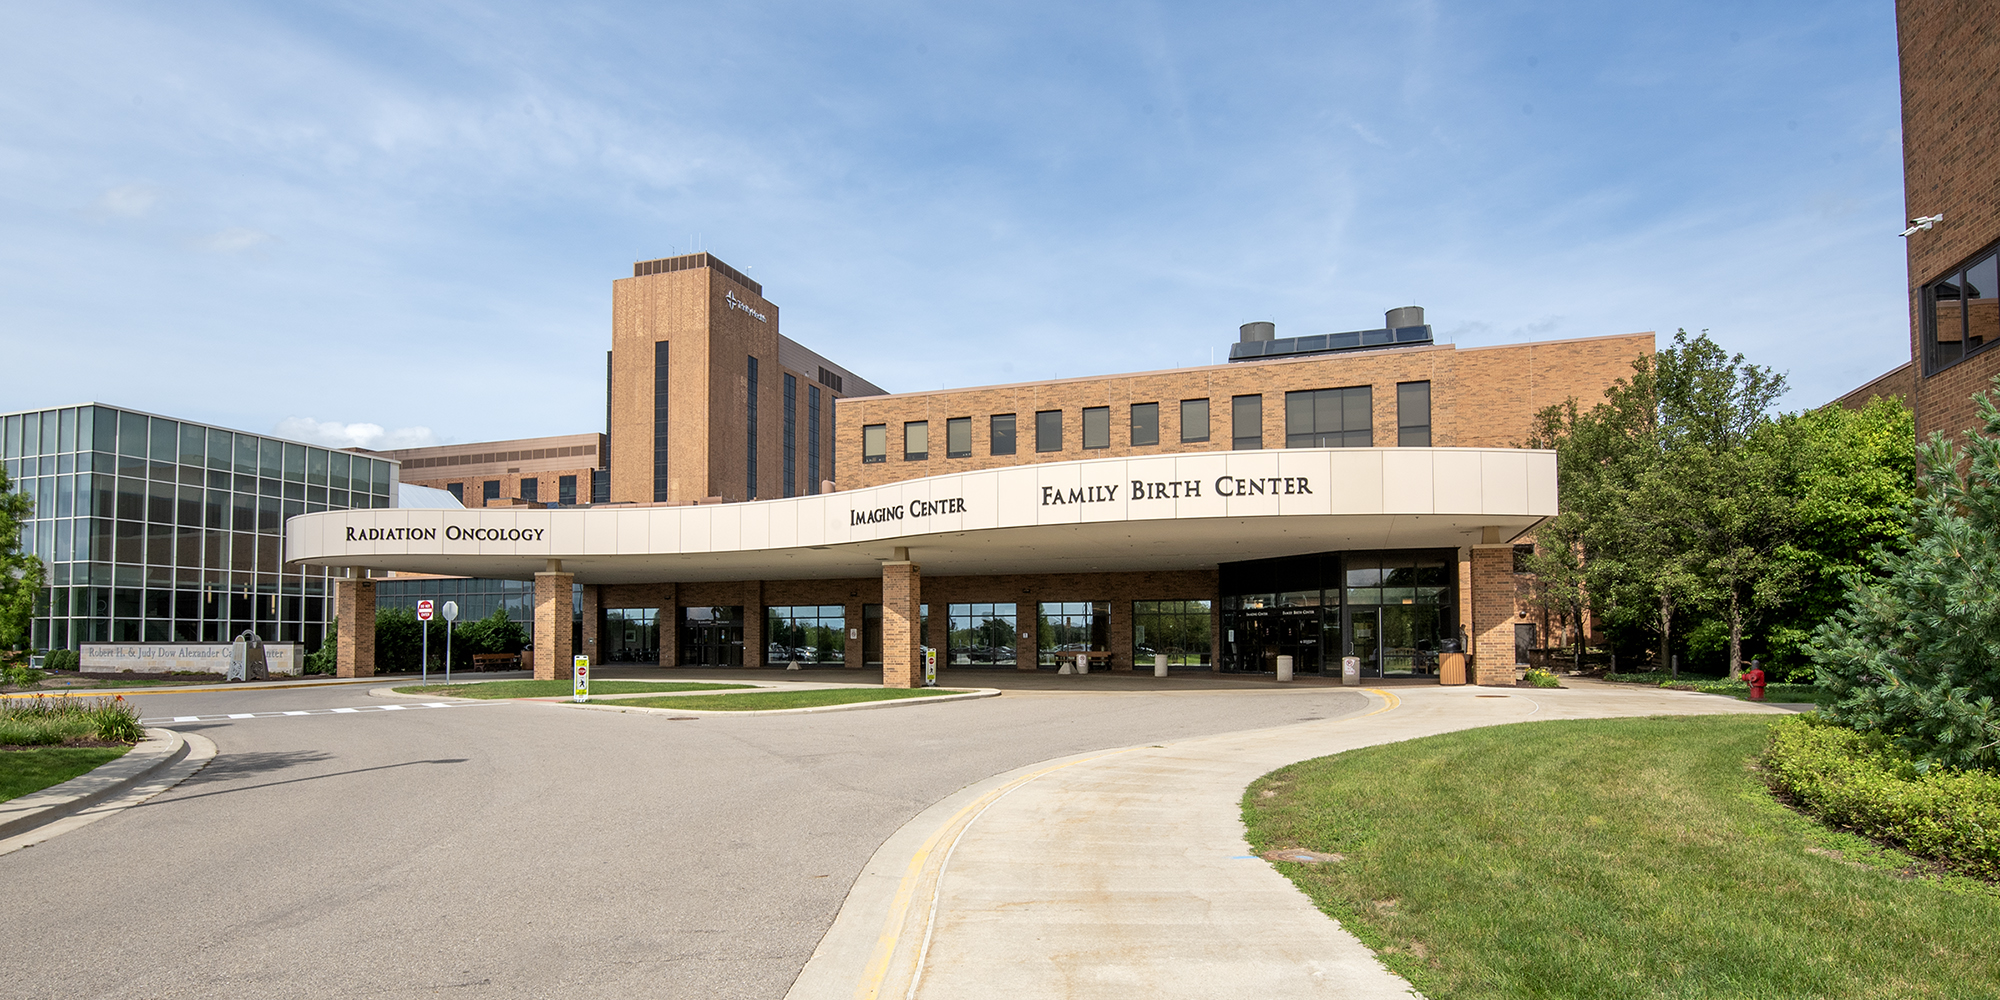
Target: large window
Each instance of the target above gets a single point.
(531, 489)
(1000, 438)
(982, 635)
(805, 634)
(916, 440)
(1179, 630)
(712, 636)
(1048, 430)
(1413, 414)
(566, 490)
(812, 439)
(875, 443)
(661, 447)
(1961, 312)
(1331, 418)
(791, 435)
(958, 437)
(1072, 627)
(750, 454)
(631, 635)
(1246, 422)
(1145, 424)
(1097, 427)
(489, 491)
(1194, 420)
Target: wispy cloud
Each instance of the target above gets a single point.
(126, 201)
(235, 239)
(334, 434)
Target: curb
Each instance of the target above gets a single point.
(390, 692)
(858, 706)
(159, 762)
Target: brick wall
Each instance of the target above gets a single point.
(552, 624)
(354, 648)
(1950, 58)
(1494, 613)
(1480, 397)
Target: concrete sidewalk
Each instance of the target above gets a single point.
(1124, 873)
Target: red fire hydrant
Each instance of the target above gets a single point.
(1755, 678)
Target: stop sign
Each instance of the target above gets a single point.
(423, 611)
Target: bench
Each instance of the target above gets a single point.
(496, 661)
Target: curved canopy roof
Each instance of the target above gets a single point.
(1170, 512)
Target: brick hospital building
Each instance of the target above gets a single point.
(751, 502)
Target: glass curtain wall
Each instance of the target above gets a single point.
(981, 635)
(161, 530)
(631, 635)
(806, 634)
(1394, 611)
(1071, 627)
(476, 599)
(1178, 629)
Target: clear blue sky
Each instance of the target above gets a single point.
(410, 215)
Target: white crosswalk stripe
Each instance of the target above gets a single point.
(170, 719)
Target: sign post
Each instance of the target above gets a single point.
(930, 668)
(424, 616)
(450, 615)
(581, 692)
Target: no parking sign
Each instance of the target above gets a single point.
(582, 690)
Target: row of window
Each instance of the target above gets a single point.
(1314, 418)
(531, 490)
(982, 634)
(142, 438)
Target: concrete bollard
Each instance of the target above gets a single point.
(1065, 671)
(1284, 668)
(1159, 664)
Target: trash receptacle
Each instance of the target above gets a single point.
(1284, 668)
(1083, 663)
(1159, 664)
(1350, 671)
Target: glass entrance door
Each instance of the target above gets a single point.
(1366, 623)
(712, 637)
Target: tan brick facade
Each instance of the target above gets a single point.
(354, 607)
(902, 595)
(1950, 56)
(713, 321)
(553, 597)
(1480, 398)
(1495, 612)
(507, 464)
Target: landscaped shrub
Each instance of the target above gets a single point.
(20, 676)
(48, 721)
(1866, 783)
(1542, 679)
(324, 660)
(61, 659)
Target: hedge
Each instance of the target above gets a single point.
(1861, 782)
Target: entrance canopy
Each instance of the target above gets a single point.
(1171, 512)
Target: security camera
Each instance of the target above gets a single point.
(1924, 222)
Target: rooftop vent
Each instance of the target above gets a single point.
(1405, 327)
(691, 261)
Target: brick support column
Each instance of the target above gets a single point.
(902, 620)
(853, 658)
(668, 618)
(1028, 634)
(1493, 615)
(1120, 640)
(593, 622)
(553, 610)
(754, 646)
(354, 649)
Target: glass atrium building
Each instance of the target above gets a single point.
(153, 529)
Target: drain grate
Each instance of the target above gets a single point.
(1493, 696)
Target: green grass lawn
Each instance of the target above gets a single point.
(1719, 685)
(1614, 858)
(35, 768)
(554, 689)
(764, 701)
